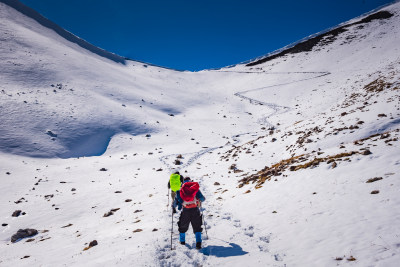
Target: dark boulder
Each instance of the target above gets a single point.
(16, 213)
(22, 233)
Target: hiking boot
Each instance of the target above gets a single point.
(183, 243)
(198, 245)
(173, 210)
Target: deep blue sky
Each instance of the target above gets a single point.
(197, 34)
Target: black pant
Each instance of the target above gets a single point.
(192, 216)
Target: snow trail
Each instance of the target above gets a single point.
(214, 246)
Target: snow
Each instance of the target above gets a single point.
(81, 133)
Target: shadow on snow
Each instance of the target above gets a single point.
(223, 252)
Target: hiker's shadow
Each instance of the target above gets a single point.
(222, 252)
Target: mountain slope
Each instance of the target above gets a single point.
(296, 153)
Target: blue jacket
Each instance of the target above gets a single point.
(178, 200)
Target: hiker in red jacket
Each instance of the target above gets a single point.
(189, 198)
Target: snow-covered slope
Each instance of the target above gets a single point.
(283, 147)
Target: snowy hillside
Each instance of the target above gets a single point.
(296, 152)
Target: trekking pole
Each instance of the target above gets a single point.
(204, 221)
(168, 198)
(172, 226)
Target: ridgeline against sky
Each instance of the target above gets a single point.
(196, 35)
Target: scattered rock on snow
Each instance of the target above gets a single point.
(103, 169)
(91, 244)
(351, 258)
(216, 183)
(375, 192)
(371, 180)
(137, 230)
(111, 212)
(16, 213)
(20, 200)
(366, 152)
(22, 233)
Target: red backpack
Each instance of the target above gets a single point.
(188, 194)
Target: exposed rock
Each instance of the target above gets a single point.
(371, 180)
(128, 200)
(155, 230)
(366, 152)
(16, 213)
(351, 258)
(22, 233)
(232, 167)
(107, 214)
(103, 169)
(216, 183)
(137, 230)
(375, 192)
(91, 244)
(19, 200)
(111, 212)
(4, 224)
